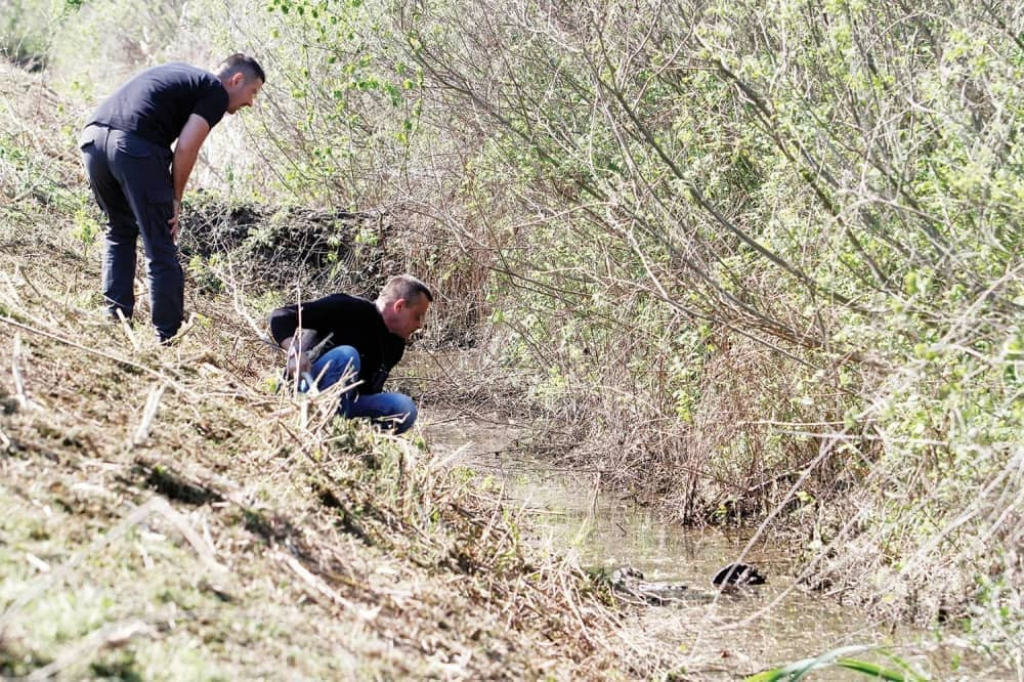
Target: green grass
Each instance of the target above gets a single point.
(839, 658)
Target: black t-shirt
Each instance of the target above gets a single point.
(353, 322)
(156, 103)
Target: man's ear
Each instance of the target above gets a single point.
(236, 79)
(400, 303)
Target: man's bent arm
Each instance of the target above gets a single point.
(322, 314)
(284, 328)
(186, 152)
(296, 346)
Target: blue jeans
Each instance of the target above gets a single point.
(394, 411)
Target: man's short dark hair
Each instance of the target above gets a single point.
(404, 286)
(239, 62)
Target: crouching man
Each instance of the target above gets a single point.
(365, 339)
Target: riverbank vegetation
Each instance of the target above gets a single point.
(165, 514)
(759, 263)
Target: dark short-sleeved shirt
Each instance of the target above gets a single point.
(156, 103)
(352, 321)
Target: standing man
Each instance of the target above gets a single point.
(138, 182)
(366, 339)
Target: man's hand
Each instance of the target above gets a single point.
(173, 222)
(298, 364)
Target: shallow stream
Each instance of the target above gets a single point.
(567, 513)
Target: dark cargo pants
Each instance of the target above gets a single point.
(131, 180)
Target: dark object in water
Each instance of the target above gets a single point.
(738, 574)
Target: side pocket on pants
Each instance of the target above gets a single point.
(88, 137)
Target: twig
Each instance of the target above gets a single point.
(38, 563)
(19, 381)
(317, 584)
(441, 464)
(127, 327)
(205, 551)
(236, 300)
(113, 634)
(148, 413)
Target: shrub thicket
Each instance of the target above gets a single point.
(761, 257)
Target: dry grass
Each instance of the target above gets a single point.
(166, 515)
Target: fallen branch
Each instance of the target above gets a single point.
(319, 586)
(148, 414)
(19, 381)
(111, 635)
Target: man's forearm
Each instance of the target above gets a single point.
(300, 341)
(186, 151)
(295, 347)
(181, 169)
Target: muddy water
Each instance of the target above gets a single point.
(568, 513)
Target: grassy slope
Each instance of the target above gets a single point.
(236, 533)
